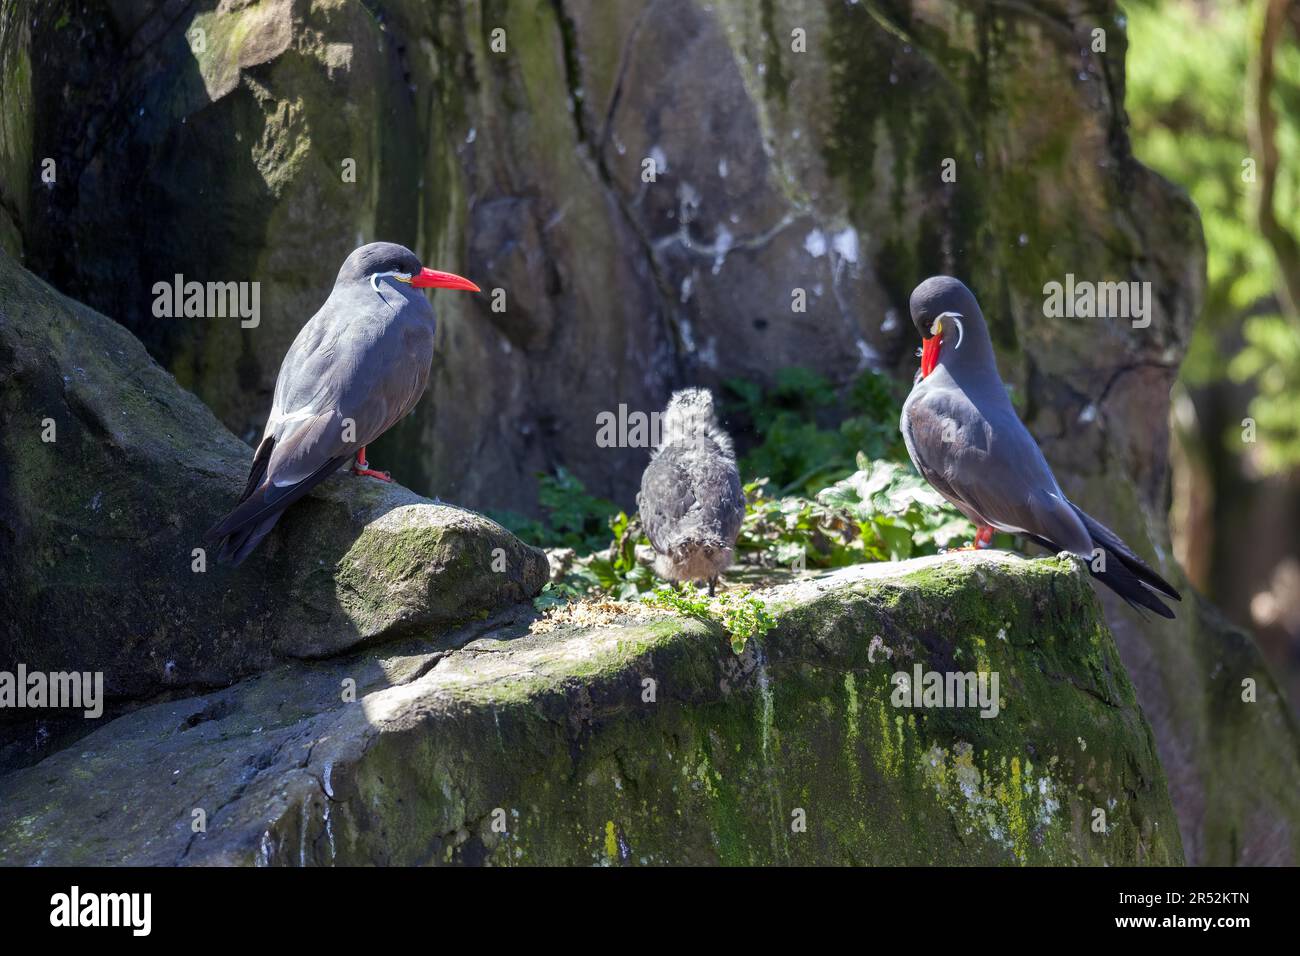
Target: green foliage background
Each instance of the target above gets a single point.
(1188, 74)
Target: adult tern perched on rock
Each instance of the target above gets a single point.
(356, 368)
(968, 443)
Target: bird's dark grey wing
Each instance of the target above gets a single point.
(667, 496)
(983, 459)
(257, 471)
(923, 435)
(921, 430)
(340, 387)
(371, 370)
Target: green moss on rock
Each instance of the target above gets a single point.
(652, 743)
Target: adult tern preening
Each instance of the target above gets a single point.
(968, 443)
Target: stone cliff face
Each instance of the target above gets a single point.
(794, 146)
(649, 185)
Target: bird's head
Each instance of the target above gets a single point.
(376, 262)
(943, 310)
(695, 404)
(689, 414)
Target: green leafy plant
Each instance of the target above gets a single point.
(612, 570)
(742, 616)
(555, 593)
(898, 515)
(884, 511)
(798, 450)
(574, 518)
(794, 531)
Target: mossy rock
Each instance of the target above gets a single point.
(648, 742)
(110, 475)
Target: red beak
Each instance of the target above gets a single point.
(433, 279)
(930, 353)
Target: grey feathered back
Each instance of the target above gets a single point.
(691, 501)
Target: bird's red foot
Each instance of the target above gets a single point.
(361, 467)
(983, 538)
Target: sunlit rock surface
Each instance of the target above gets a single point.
(647, 741)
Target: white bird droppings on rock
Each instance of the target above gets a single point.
(845, 244)
(815, 244)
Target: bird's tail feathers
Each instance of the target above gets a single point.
(240, 544)
(256, 514)
(1122, 571)
(1104, 538)
(1117, 576)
